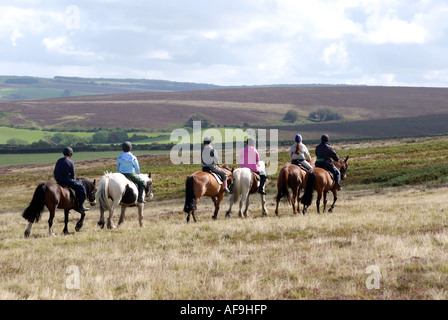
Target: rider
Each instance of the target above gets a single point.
(249, 158)
(299, 153)
(64, 174)
(128, 165)
(324, 154)
(210, 162)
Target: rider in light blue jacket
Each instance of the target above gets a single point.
(128, 165)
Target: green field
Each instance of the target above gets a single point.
(31, 136)
(40, 158)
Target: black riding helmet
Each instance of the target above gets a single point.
(127, 146)
(325, 138)
(67, 151)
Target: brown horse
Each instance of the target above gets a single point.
(320, 180)
(53, 196)
(291, 177)
(200, 184)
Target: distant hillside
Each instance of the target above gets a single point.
(366, 111)
(22, 88)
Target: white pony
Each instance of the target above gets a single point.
(123, 192)
(245, 184)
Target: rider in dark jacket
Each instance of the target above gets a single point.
(64, 174)
(325, 154)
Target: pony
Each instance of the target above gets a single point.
(53, 196)
(291, 177)
(200, 184)
(320, 180)
(123, 192)
(244, 184)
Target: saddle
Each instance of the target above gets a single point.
(216, 176)
(72, 192)
(299, 164)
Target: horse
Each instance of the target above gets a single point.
(320, 180)
(200, 184)
(291, 177)
(53, 196)
(121, 191)
(245, 183)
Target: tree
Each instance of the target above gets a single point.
(324, 114)
(206, 122)
(291, 116)
(101, 136)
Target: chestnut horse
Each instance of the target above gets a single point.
(200, 184)
(291, 177)
(320, 180)
(53, 196)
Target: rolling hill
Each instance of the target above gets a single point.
(368, 112)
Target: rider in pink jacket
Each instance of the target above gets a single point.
(249, 158)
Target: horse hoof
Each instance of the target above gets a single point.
(27, 234)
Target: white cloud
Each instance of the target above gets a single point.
(335, 55)
(233, 41)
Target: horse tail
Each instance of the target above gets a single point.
(282, 186)
(309, 188)
(236, 186)
(190, 198)
(34, 210)
(102, 193)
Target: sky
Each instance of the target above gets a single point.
(229, 42)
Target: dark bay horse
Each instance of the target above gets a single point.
(320, 180)
(200, 184)
(291, 177)
(53, 196)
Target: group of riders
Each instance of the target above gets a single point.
(128, 165)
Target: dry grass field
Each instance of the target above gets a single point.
(401, 234)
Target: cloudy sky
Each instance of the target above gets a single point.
(229, 42)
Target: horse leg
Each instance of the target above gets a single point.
(122, 215)
(264, 211)
(80, 222)
(140, 214)
(50, 222)
(293, 200)
(247, 206)
(217, 200)
(65, 231)
(325, 201)
(110, 223)
(229, 212)
(28, 230)
(335, 197)
(101, 221)
(319, 196)
(193, 213)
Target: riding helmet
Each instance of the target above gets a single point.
(298, 138)
(67, 151)
(207, 140)
(127, 146)
(325, 138)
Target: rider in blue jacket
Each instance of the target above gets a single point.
(128, 165)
